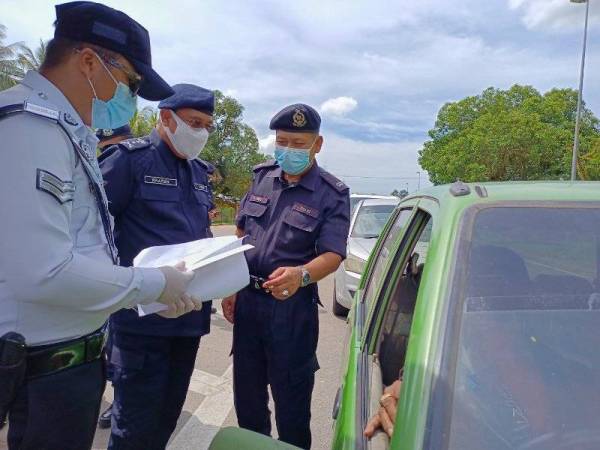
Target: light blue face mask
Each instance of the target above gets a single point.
(292, 160)
(117, 111)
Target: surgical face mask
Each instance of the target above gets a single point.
(187, 141)
(117, 111)
(293, 161)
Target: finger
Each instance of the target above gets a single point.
(391, 408)
(180, 266)
(277, 272)
(276, 282)
(386, 422)
(198, 304)
(372, 426)
(189, 304)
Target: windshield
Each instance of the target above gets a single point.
(370, 220)
(527, 371)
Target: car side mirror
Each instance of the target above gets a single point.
(237, 438)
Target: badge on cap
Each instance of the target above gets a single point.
(299, 119)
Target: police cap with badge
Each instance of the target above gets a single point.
(297, 118)
(106, 134)
(113, 30)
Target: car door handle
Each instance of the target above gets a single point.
(336, 403)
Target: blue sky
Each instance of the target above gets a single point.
(378, 70)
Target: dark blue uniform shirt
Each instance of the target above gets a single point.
(156, 199)
(290, 225)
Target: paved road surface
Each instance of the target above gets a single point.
(209, 403)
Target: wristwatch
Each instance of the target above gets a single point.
(305, 277)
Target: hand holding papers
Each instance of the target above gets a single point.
(218, 263)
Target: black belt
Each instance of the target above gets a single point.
(48, 359)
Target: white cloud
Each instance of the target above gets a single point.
(555, 14)
(267, 144)
(339, 106)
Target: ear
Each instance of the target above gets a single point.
(166, 120)
(87, 62)
(318, 144)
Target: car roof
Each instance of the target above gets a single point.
(380, 201)
(513, 191)
(366, 196)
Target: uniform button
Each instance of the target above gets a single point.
(42, 96)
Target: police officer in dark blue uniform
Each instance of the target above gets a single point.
(108, 137)
(297, 216)
(159, 195)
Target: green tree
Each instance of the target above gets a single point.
(10, 71)
(31, 60)
(514, 134)
(143, 121)
(233, 147)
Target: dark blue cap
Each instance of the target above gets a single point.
(299, 118)
(190, 96)
(113, 30)
(103, 134)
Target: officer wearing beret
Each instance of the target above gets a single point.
(58, 265)
(297, 216)
(108, 137)
(159, 194)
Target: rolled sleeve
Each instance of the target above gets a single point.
(333, 235)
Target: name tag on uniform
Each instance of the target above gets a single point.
(312, 212)
(259, 199)
(162, 181)
(201, 187)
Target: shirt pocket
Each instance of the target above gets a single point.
(159, 193)
(298, 231)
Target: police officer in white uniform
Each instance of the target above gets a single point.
(59, 278)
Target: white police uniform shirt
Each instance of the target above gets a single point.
(57, 277)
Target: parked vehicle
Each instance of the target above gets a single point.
(488, 298)
(368, 219)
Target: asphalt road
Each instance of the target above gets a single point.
(209, 404)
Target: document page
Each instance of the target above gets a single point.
(218, 263)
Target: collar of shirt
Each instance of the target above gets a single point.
(308, 181)
(165, 151)
(49, 92)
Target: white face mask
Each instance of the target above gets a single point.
(187, 141)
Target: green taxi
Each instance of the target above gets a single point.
(486, 297)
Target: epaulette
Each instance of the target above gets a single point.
(134, 144)
(202, 163)
(336, 183)
(266, 165)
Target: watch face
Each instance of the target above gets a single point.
(305, 277)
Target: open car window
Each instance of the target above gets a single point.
(377, 271)
(526, 372)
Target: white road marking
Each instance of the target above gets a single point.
(202, 426)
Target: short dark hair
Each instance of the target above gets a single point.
(59, 49)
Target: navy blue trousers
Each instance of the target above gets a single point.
(58, 411)
(275, 343)
(151, 376)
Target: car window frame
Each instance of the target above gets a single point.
(439, 405)
(404, 245)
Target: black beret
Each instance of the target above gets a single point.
(112, 30)
(104, 135)
(299, 118)
(190, 96)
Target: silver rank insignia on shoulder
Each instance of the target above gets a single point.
(299, 119)
(62, 191)
(162, 181)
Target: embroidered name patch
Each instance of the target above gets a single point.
(259, 199)
(62, 191)
(148, 179)
(312, 212)
(201, 187)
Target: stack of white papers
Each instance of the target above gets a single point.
(219, 266)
